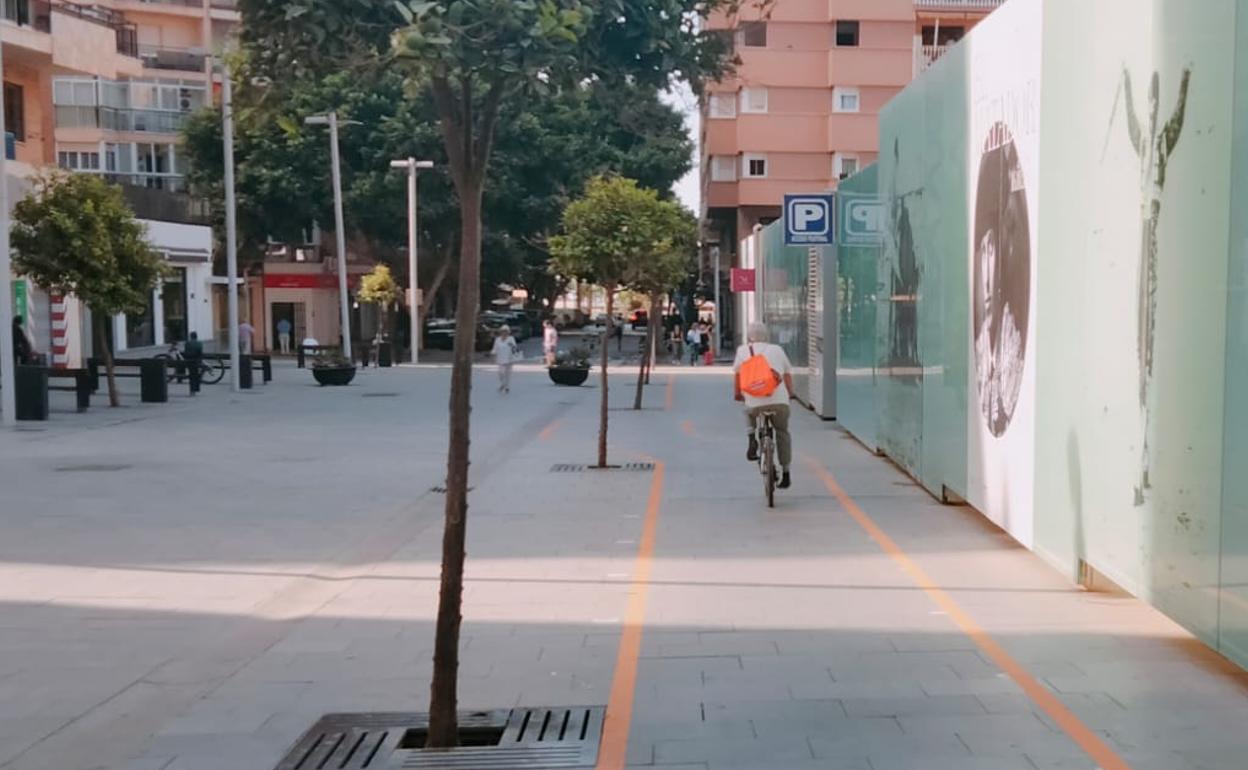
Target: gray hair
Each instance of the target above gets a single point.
(758, 332)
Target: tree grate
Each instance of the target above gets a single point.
(519, 739)
(574, 468)
(442, 490)
(379, 395)
(91, 468)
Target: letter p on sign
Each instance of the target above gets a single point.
(808, 219)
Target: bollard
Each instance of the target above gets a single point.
(244, 372)
(299, 357)
(266, 366)
(153, 381)
(195, 370)
(30, 389)
(385, 354)
(93, 372)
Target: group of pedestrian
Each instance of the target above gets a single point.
(698, 343)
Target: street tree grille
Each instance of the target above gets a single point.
(573, 468)
(519, 739)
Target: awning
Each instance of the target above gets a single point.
(187, 256)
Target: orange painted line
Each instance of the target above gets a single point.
(548, 432)
(1091, 743)
(687, 427)
(669, 395)
(614, 748)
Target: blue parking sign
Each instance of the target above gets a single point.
(809, 220)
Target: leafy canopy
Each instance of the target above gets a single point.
(621, 234)
(74, 234)
(378, 287)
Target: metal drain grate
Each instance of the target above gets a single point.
(574, 468)
(442, 490)
(91, 468)
(523, 738)
(379, 395)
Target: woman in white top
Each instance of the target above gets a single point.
(505, 354)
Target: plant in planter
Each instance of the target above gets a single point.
(571, 367)
(333, 369)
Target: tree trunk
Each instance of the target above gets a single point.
(443, 716)
(110, 370)
(602, 411)
(652, 334)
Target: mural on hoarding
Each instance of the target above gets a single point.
(903, 308)
(1154, 149)
(1001, 292)
(1003, 221)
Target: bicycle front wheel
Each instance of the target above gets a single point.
(211, 371)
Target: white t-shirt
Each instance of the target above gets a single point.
(505, 351)
(779, 363)
(550, 338)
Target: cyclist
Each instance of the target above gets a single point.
(192, 351)
(765, 394)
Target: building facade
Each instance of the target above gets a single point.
(105, 88)
(801, 111)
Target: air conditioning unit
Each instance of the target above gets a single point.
(184, 100)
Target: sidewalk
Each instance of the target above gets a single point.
(214, 581)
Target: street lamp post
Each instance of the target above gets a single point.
(8, 395)
(340, 236)
(412, 166)
(231, 229)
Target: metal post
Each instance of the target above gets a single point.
(340, 237)
(718, 336)
(231, 227)
(414, 334)
(8, 385)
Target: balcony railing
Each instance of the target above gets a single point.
(28, 13)
(167, 58)
(121, 119)
(228, 5)
(927, 55)
(957, 5)
(156, 198)
(127, 34)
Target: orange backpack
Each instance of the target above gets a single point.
(756, 376)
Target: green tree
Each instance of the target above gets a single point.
(74, 234)
(472, 56)
(662, 271)
(379, 288)
(618, 235)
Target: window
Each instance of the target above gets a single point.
(754, 34)
(754, 167)
(754, 99)
(78, 161)
(847, 34)
(844, 166)
(15, 111)
(723, 168)
(723, 104)
(845, 99)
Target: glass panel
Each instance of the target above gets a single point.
(140, 330)
(173, 297)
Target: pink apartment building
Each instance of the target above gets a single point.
(801, 111)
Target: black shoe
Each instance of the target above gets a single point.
(751, 454)
(785, 481)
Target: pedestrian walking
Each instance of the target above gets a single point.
(23, 350)
(245, 333)
(550, 342)
(708, 353)
(694, 340)
(505, 352)
(674, 345)
(284, 328)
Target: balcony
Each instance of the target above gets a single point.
(984, 6)
(161, 203)
(121, 119)
(126, 34)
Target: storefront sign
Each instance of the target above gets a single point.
(743, 279)
(301, 280)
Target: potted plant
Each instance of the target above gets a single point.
(571, 367)
(332, 368)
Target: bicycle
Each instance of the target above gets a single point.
(211, 370)
(765, 434)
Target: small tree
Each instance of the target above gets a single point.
(379, 288)
(659, 273)
(74, 234)
(608, 233)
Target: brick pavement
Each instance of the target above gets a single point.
(257, 560)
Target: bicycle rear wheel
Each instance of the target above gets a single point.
(211, 371)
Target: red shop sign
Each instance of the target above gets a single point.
(742, 279)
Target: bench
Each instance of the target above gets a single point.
(151, 373)
(81, 387)
(261, 362)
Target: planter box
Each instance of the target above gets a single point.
(568, 375)
(334, 375)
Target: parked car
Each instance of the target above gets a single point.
(440, 335)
